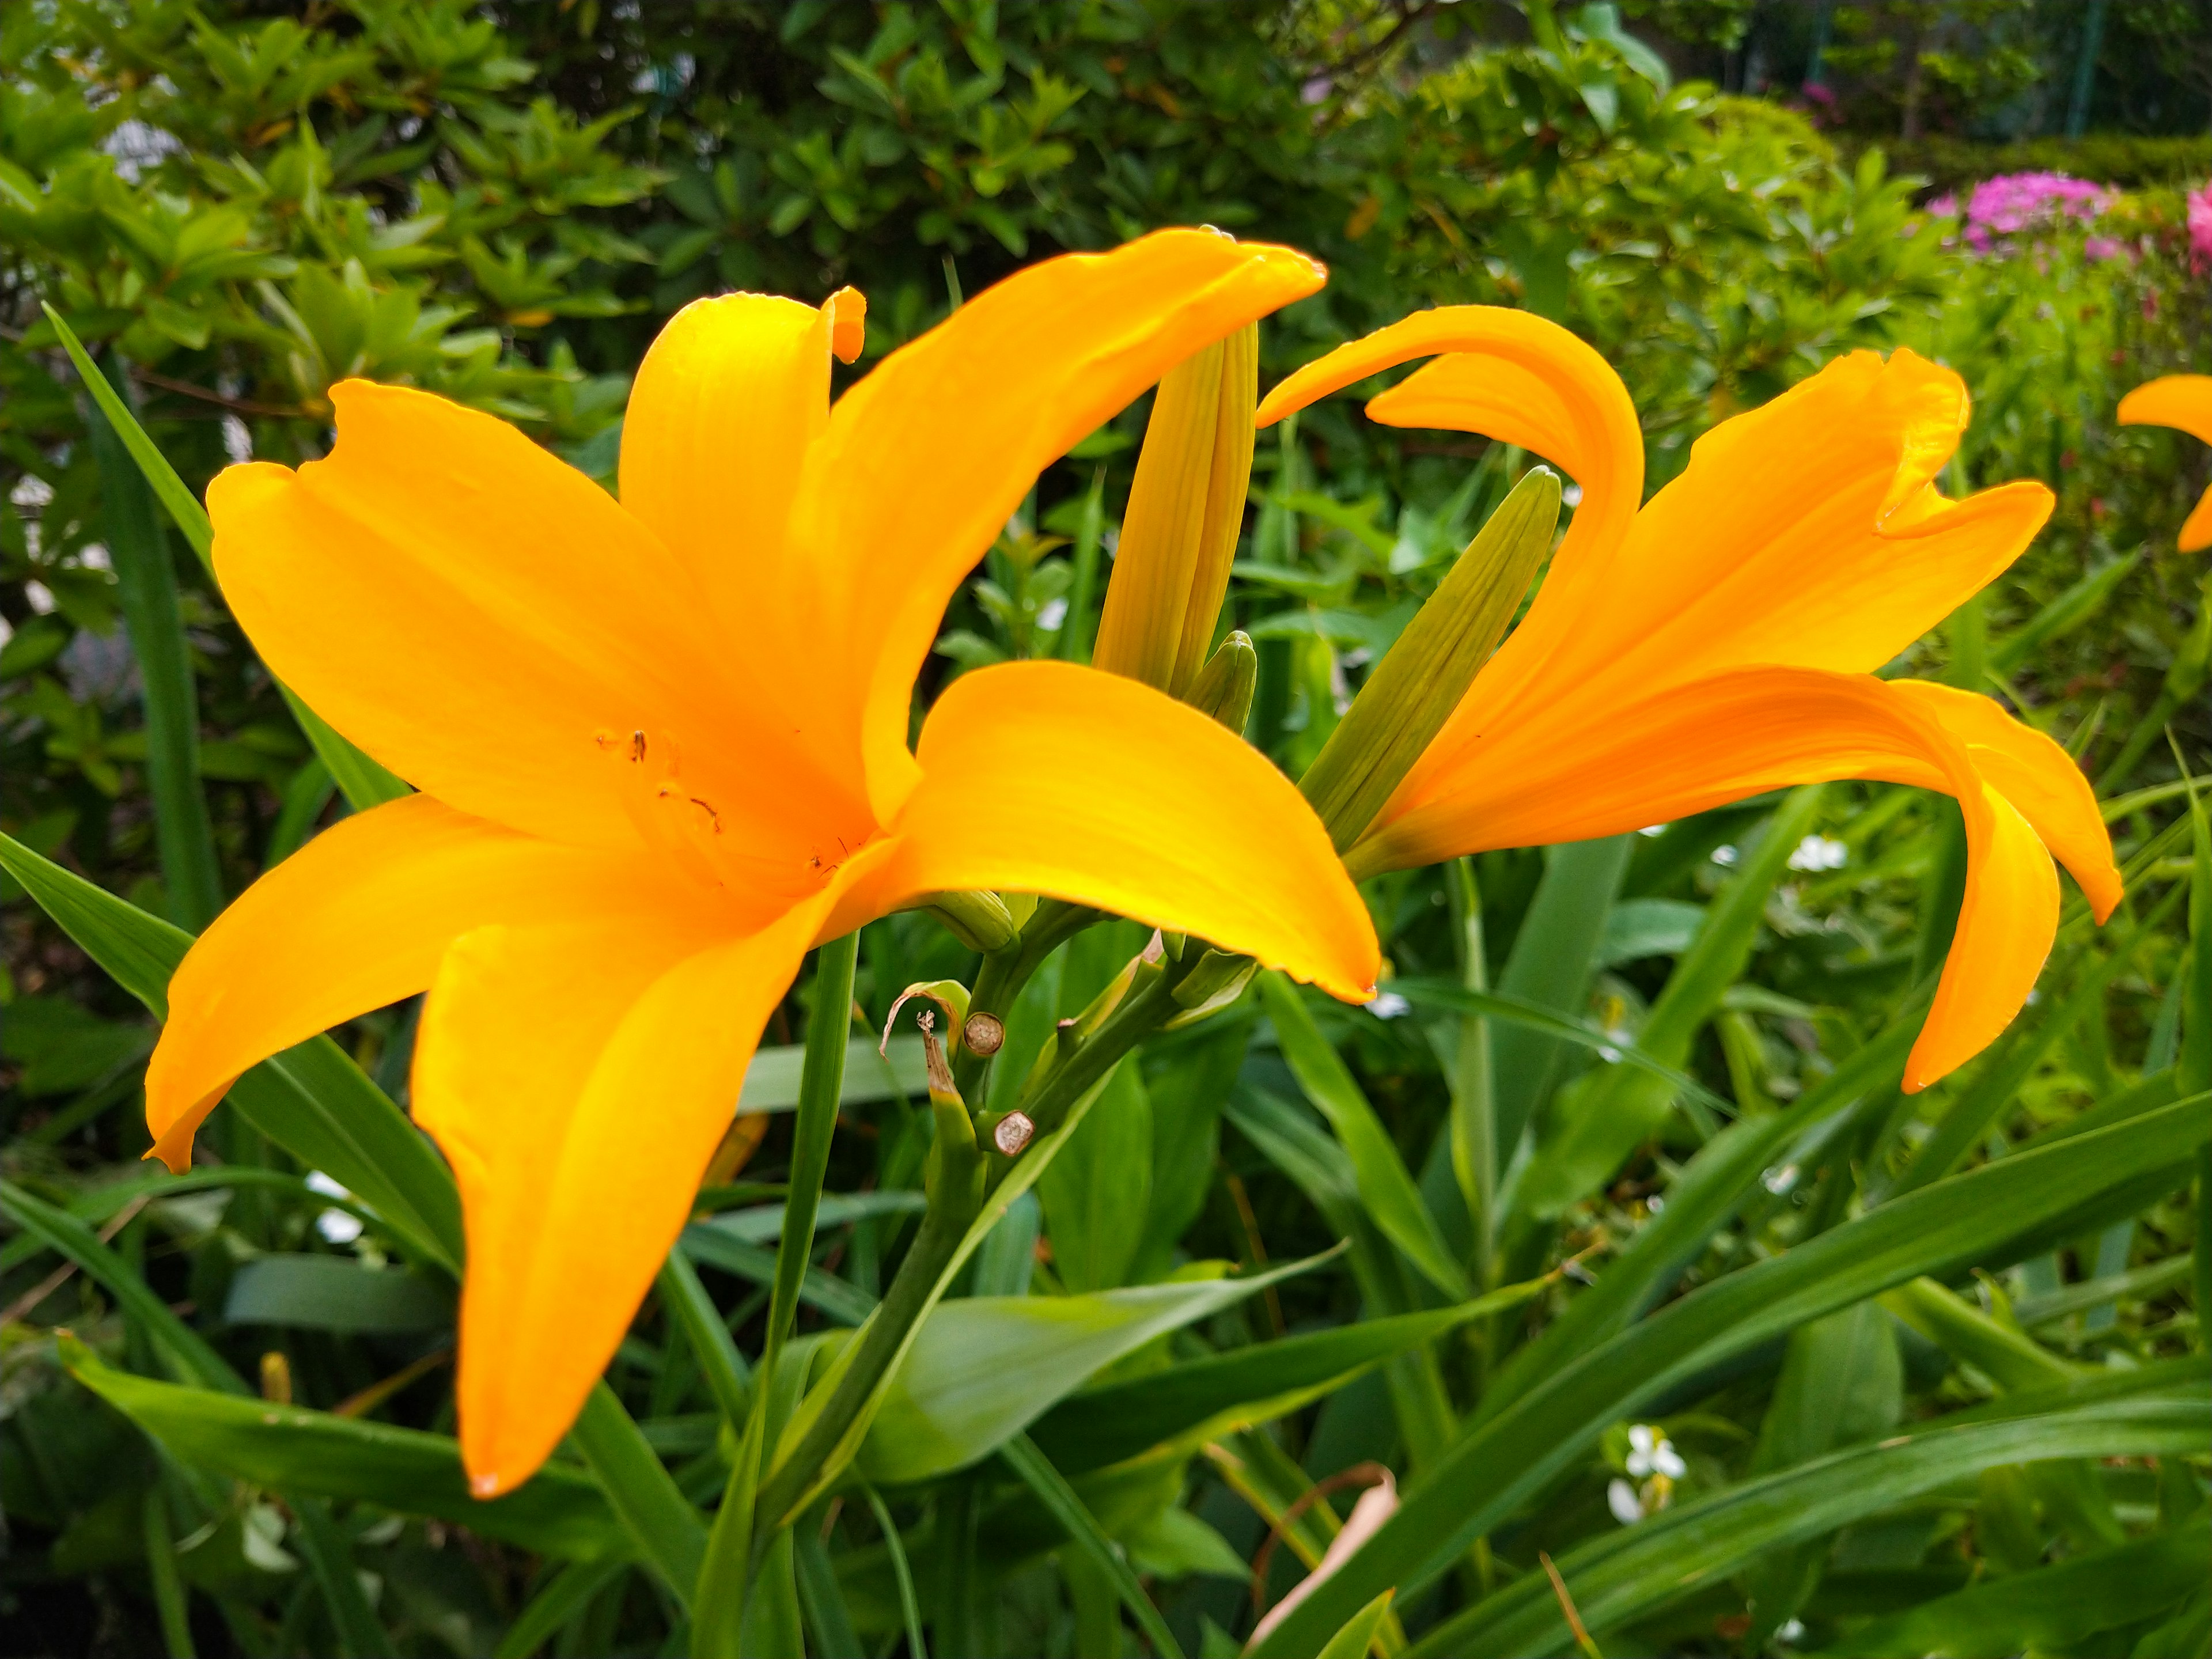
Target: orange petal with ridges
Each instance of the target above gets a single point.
(485, 620)
(357, 919)
(578, 1080)
(2038, 777)
(2182, 402)
(1704, 744)
(925, 459)
(1047, 778)
(577, 1077)
(731, 393)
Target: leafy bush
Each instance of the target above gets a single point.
(1788, 1361)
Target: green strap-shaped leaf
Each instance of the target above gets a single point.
(1358, 1632)
(330, 1557)
(2054, 1609)
(1621, 1576)
(364, 782)
(1954, 1224)
(183, 1349)
(667, 1531)
(1065, 1506)
(1104, 1425)
(311, 1100)
(559, 1511)
(981, 1369)
(1392, 1199)
(147, 583)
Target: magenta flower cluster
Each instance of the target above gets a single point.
(2015, 202)
(2200, 227)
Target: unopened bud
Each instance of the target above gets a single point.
(1218, 980)
(1414, 689)
(978, 919)
(984, 1034)
(1224, 687)
(1179, 535)
(1012, 1134)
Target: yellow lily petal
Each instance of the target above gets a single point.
(731, 393)
(488, 623)
(1806, 532)
(357, 919)
(1046, 778)
(2182, 402)
(1713, 741)
(577, 1077)
(2038, 777)
(925, 459)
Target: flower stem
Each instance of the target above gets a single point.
(724, 1575)
(955, 1200)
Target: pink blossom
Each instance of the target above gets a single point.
(2199, 226)
(2015, 202)
(2104, 248)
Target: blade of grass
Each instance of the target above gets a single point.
(1967, 1220)
(147, 584)
(909, 1608)
(1061, 1501)
(364, 782)
(652, 1509)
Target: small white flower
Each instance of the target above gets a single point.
(1820, 853)
(1054, 614)
(1621, 1497)
(1389, 1005)
(40, 598)
(1572, 496)
(1651, 1453)
(1779, 1181)
(320, 1183)
(337, 1227)
(237, 440)
(1725, 857)
(1790, 1629)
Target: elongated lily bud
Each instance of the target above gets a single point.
(1179, 536)
(978, 919)
(1224, 687)
(1416, 686)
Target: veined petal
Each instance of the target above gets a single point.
(356, 919)
(2038, 777)
(577, 1078)
(925, 459)
(485, 620)
(1047, 778)
(1702, 745)
(728, 398)
(2182, 402)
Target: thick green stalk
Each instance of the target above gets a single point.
(729, 1559)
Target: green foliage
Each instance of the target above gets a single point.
(1624, 1150)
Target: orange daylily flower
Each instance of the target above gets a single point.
(1719, 641)
(2182, 402)
(662, 750)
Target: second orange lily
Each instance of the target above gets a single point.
(1720, 641)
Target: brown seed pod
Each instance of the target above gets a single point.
(984, 1034)
(1013, 1133)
